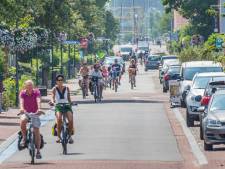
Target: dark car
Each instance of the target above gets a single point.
(152, 62)
(172, 73)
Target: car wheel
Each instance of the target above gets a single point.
(160, 81)
(208, 147)
(189, 120)
(146, 69)
(201, 133)
(183, 105)
(201, 129)
(164, 90)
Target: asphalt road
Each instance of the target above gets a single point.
(130, 125)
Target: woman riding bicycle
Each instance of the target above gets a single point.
(61, 95)
(133, 71)
(96, 73)
(84, 72)
(30, 101)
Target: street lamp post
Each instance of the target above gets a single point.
(62, 38)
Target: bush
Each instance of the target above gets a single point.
(196, 54)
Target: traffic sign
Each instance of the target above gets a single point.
(71, 42)
(219, 43)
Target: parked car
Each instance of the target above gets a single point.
(193, 99)
(189, 69)
(152, 62)
(213, 86)
(165, 67)
(213, 124)
(163, 59)
(172, 73)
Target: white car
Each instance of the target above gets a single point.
(189, 69)
(196, 92)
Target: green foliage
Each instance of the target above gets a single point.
(9, 96)
(210, 44)
(196, 54)
(1, 62)
(197, 12)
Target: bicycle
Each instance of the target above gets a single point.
(84, 87)
(96, 89)
(30, 142)
(64, 135)
(115, 80)
(132, 77)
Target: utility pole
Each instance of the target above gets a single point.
(133, 23)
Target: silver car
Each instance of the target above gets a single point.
(189, 69)
(213, 124)
(197, 89)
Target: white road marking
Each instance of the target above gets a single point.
(199, 155)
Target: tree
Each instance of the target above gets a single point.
(196, 11)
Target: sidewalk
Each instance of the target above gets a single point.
(9, 121)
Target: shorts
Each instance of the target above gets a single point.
(115, 75)
(61, 109)
(35, 120)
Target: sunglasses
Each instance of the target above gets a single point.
(60, 80)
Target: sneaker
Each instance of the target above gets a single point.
(71, 140)
(38, 155)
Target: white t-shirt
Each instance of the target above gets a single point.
(96, 74)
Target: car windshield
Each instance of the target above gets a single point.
(144, 48)
(190, 72)
(168, 58)
(174, 70)
(218, 102)
(126, 49)
(153, 58)
(201, 82)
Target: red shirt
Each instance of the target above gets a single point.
(30, 101)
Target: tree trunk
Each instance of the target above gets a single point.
(5, 60)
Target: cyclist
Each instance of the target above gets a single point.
(116, 72)
(96, 73)
(133, 71)
(61, 94)
(30, 101)
(84, 72)
(105, 75)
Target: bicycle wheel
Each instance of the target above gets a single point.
(32, 147)
(95, 93)
(116, 85)
(83, 92)
(64, 139)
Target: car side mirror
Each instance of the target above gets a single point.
(201, 109)
(188, 87)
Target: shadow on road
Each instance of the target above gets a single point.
(74, 154)
(8, 124)
(119, 101)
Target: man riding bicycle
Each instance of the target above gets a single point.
(30, 101)
(116, 72)
(84, 72)
(96, 73)
(61, 95)
(133, 71)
